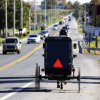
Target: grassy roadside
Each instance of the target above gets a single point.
(79, 25)
(92, 44)
(32, 31)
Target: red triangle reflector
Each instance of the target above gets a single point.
(57, 64)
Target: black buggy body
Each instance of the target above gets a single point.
(58, 59)
(58, 62)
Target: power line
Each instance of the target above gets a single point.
(13, 8)
(2, 6)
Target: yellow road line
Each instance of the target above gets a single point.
(25, 56)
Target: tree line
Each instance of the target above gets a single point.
(26, 8)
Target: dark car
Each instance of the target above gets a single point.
(69, 19)
(61, 22)
(63, 32)
(65, 27)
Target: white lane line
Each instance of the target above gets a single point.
(14, 92)
(10, 94)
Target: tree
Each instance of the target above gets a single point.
(48, 2)
(10, 14)
(2, 16)
(64, 2)
(77, 8)
(69, 4)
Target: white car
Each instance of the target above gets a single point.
(34, 37)
(67, 26)
(63, 21)
(44, 34)
(55, 27)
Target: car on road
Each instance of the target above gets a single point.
(44, 34)
(11, 44)
(34, 38)
(63, 32)
(67, 26)
(69, 19)
(61, 22)
(55, 27)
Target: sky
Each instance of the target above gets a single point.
(81, 1)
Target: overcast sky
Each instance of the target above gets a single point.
(81, 1)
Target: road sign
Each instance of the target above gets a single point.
(20, 29)
(57, 64)
(90, 29)
(96, 32)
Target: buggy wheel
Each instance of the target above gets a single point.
(37, 79)
(78, 78)
(36, 82)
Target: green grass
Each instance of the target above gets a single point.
(11, 30)
(92, 44)
(80, 31)
(80, 27)
(1, 39)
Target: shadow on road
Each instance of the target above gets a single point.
(14, 80)
(79, 46)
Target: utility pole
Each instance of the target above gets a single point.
(85, 14)
(95, 26)
(21, 17)
(45, 12)
(55, 12)
(34, 16)
(14, 20)
(29, 16)
(5, 18)
(36, 12)
(51, 12)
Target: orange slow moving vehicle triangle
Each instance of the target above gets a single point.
(57, 64)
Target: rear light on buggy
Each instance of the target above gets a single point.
(42, 70)
(74, 56)
(69, 63)
(73, 70)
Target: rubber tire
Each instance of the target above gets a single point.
(28, 42)
(38, 42)
(37, 79)
(79, 80)
(19, 51)
(4, 52)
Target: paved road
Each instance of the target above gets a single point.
(17, 81)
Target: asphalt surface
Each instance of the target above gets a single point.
(17, 80)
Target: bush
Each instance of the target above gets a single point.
(24, 34)
(17, 35)
(2, 36)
